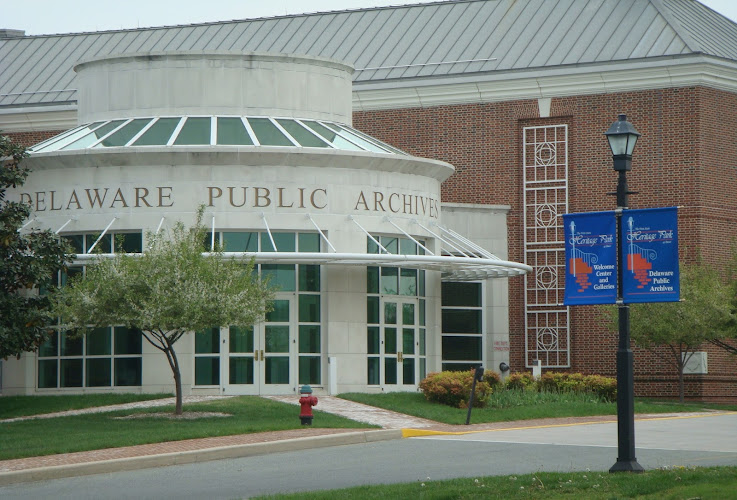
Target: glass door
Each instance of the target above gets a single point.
(261, 359)
(399, 345)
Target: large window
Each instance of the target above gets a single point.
(104, 357)
(396, 326)
(462, 325)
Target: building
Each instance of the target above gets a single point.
(516, 96)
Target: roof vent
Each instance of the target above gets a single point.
(7, 33)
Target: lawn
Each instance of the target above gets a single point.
(21, 406)
(248, 414)
(717, 483)
(506, 406)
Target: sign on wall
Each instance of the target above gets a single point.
(591, 258)
(650, 249)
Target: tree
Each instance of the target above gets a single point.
(28, 262)
(673, 330)
(172, 288)
(729, 343)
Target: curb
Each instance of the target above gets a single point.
(194, 456)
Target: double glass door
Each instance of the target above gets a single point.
(397, 341)
(257, 359)
(261, 358)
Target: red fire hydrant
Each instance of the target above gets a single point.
(306, 402)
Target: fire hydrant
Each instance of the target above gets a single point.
(306, 402)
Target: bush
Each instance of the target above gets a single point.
(519, 382)
(605, 388)
(454, 388)
(493, 379)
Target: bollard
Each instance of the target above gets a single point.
(478, 376)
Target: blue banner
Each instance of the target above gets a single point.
(591, 258)
(650, 252)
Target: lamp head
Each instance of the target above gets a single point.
(622, 137)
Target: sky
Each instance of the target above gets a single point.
(38, 17)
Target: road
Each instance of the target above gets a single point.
(689, 441)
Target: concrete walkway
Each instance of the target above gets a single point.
(393, 426)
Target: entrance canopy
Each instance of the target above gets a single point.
(459, 259)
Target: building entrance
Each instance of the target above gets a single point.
(399, 345)
(261, 359)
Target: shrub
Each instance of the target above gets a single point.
(454, 388)
(519, 382)
(493, 379)
(605, 388)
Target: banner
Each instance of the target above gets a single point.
(591, 258)
(650, 250)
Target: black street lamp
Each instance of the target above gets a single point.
(622, 138)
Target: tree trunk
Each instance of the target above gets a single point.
(681, 383)
(177, 380)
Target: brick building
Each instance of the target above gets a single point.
(516, 95)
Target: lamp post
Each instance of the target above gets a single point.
(622, 138)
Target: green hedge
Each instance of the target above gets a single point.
(453, 388)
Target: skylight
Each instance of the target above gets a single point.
(214, 131)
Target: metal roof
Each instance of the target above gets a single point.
(443, 39)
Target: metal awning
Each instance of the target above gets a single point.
(460, 259)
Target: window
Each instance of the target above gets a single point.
(104, 357)
(462, 325)
(111, 242)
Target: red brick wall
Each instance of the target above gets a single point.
(687, 156)
(28, 139)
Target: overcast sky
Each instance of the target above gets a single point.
(39, 17)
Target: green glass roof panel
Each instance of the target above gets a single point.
(369, 146)
(373, 140)
(159, 133)
(124, 135)
(172, 131)
(338, 141)
(267, 133)
(232, 132)
(94, 136)
(304, 137)
(61, 140)
(195, 132)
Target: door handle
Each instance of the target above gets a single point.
(400, 358)
(262, 354)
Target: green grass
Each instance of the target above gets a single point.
(506, 406)
(22, 406)
(719, 483)
(96, 431)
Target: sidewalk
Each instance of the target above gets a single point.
(394, 426)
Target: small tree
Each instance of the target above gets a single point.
(673, 330)
(729, 343)
(28, 261)
(169, 290)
